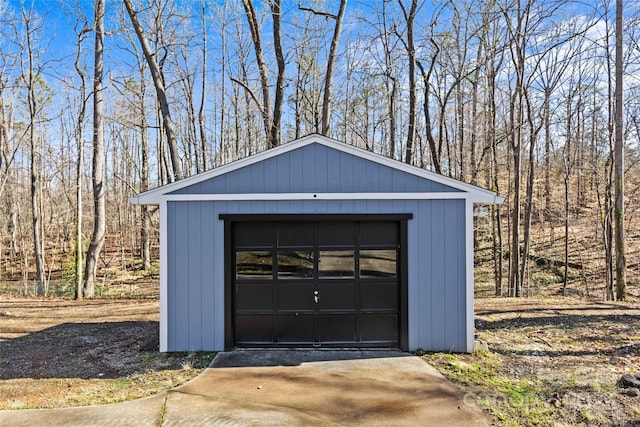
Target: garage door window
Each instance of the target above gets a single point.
(295, 264)
(253, 264)
(336, 264)
(378, 263)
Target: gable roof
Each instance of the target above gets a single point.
(168, 192)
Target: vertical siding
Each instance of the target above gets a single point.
(194, 275)
(437, 276)
(211, 263)
(436, 257)
(315, 168)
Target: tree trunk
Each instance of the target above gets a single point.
(411, 52)
(252, 20)
(426, 77)
(533, 136)
(97, 175)
(621, 263)
(161, 93)
(203, 96)
(36, 211)
(328, 80)
(497, 244)
(279, 98)
(145, 250)
(565, 273)
(79, 135)
(547, 154)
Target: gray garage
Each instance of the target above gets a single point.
(316, 243)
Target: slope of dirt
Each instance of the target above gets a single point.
(552, 361)
(56, 353)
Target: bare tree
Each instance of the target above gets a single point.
(203, 96)
(81, 30)
(272, 120)
(328, 79)
(276, 14)
(621, 263)
(97, 174)
(254, 28)
(161, 93)
(31, 79)
(410, 17)
(331, 61)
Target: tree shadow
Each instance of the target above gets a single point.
(81, 350)
(535, 307)
(568, 321)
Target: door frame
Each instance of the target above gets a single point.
(401, 219)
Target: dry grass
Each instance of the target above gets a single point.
(551, 361)
(57, 353)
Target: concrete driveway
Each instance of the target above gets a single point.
(288, 387)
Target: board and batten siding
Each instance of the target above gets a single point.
(437, 292)
(315, 169)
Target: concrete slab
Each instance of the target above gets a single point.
(288, 387)
(141, 412)
(295, 387)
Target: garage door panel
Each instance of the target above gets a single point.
(338, 233)
(292, 234)
(337, 328)
(254, 296)
(379, 327)
(296, 296)
(254, 329)
(337, 296)
(379, 233)
(379, 296)
(295, 328)
(254, 234)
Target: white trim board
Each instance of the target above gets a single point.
(319, 196)
(469, 276)
(164, 277)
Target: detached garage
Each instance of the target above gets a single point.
(316, 243)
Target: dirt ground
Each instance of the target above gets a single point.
(551, 361)
(56, 353)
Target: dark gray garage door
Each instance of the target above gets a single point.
(316, 283)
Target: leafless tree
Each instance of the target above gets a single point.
(32, 80)
(158, 81)
(81, 30)
(97, 169)
(410, 17)
(621, 263)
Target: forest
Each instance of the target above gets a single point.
(102, 100)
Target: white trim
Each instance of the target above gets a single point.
(454, 195)
(477, 194)
(470, 325)
(164, 304)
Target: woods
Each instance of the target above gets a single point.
(522, 97)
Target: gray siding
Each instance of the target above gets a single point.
(315, 168)
(436, 257)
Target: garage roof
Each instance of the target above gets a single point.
(454, 189)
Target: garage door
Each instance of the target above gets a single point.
(316, 283)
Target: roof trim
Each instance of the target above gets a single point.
(159, 194)
(319, 196)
